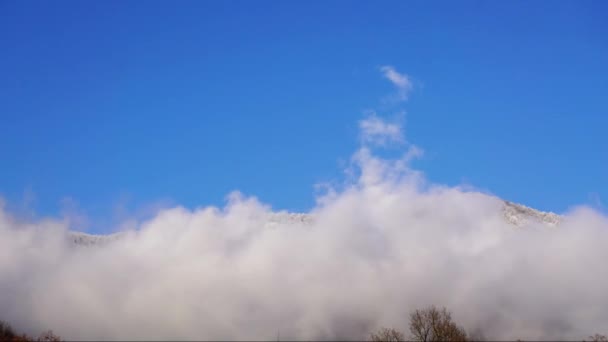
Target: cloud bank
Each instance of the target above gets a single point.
(383, 244)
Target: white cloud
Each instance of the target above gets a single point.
(401, 81)
(376, 131)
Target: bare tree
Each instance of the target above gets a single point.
(6, 332)
(48, 336)
(432, 325)
(387, 335)
(598, 338)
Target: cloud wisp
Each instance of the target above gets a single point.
(384, 244)
(401, 81)
(376, 131)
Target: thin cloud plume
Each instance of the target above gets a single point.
(376, 131)
(401, 81)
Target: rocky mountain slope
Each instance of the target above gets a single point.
(516, 214)
(520, 215)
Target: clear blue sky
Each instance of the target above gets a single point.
(131, 102)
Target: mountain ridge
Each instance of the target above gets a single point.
(515, 214)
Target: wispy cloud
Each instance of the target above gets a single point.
(401, 81)
(376, 131)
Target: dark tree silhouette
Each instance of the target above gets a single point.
(8, 334)
(432, 324)
(598, 338)
(387, 335)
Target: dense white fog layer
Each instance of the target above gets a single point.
(379, 246)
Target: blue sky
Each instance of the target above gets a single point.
(118, 105)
